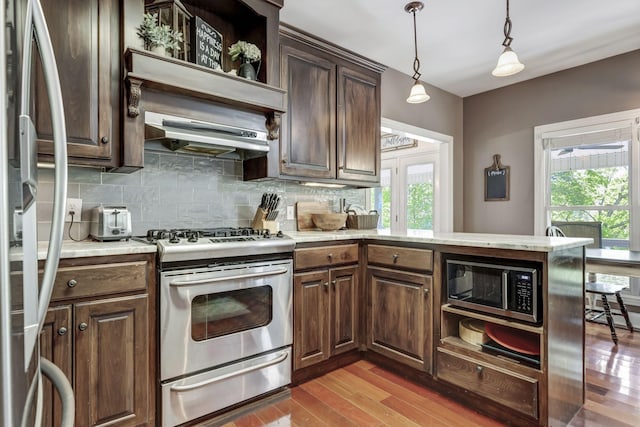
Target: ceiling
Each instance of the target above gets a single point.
(459, 41)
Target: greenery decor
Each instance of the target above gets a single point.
(158, 35)
(246, 52)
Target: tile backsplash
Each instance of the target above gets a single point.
(178, 191)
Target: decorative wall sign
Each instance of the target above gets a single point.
(206, 44)
(496, 181)
(397, 142)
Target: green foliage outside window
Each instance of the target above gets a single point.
(420, 206)
(593, 187)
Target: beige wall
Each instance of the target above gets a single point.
(502, 121)
(442, 113)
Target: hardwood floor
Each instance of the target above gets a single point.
(363, 394)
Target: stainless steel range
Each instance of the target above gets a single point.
(225, 318)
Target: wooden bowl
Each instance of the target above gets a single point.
(329, 221)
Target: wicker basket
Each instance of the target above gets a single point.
(362, 222)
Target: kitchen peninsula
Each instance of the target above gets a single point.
(398, 313)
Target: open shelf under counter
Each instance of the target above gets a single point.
(536, 329)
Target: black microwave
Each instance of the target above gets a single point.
(513, 292)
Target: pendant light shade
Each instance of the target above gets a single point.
(418, 93)
(508, 63)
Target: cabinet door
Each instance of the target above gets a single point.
(344, 309)
(310, 318)
(399, 324)
(358, 143)
(308, 133)
(85, 38)
(112, 362)
(55, 345)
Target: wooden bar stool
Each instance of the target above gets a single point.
(604, 289)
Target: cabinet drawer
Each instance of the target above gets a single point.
(508, 388)
(325, 256)
(393, 256)
(96, 280)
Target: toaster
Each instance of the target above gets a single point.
(111, 223)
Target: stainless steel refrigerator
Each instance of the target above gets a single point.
(24, 294)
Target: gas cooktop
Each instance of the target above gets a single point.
(187, 244)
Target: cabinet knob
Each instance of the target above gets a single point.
(330, 256)
(426, 291)
(62, 330)
(284, 161)
(395, 258)
(479, 369)
(326, 284)
(104, 139)
(333, 282)
(83, 326)
(72, 283)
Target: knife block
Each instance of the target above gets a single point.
(260, 223)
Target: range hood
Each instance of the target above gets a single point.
(198, 137)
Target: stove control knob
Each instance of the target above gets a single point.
(279, 233)
(115, 231)
(174, 238)
(266, 234)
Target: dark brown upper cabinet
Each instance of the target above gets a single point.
(330, 132)
(86, 41)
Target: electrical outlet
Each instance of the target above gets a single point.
(290, 212)
(75, 206)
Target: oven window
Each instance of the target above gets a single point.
(225, 313)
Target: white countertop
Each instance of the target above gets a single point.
(498, 241)
(87, 248)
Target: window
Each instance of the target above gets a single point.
(415, 183)
(585, 174)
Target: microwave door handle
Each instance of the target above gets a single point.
(54, 92)
(505, 289)
(226, 278)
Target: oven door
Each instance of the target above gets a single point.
(217, 315)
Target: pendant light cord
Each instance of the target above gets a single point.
(416, 61)
(507, 29)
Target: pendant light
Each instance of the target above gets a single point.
(418, 94)
(508, 63)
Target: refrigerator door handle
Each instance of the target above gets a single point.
(36, 303)
(60, 158)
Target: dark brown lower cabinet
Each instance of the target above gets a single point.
(111, 362)
(325, 314)
(400, 316)
(104, 344)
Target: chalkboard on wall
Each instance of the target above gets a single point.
(206, 44)
(496, 181)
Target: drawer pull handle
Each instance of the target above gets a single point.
(72, 283)
(62, 330)
(83, 326)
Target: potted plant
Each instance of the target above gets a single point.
(247, 53)
(158, 36)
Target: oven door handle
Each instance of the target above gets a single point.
(224, 278)
(181, 388)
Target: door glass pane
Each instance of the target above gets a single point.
(590, 184)
(420, 197)
(381, 199)
(224, 313)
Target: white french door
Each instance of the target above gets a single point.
(407, 196)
